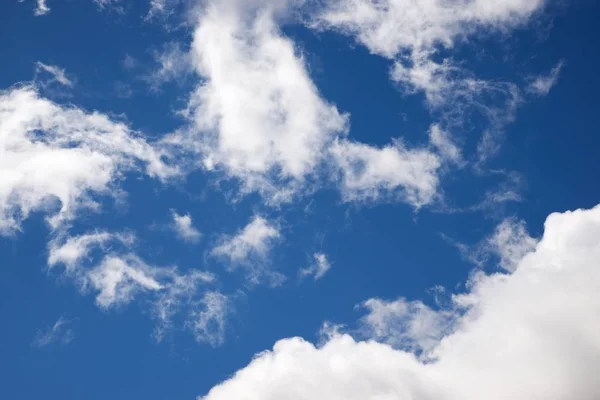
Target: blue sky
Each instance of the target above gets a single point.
(184, 184)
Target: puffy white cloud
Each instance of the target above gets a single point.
(388, 27)
(370, 173)
(532, 334)
(184, 227)
(541, 85)
(257, 116)
(50, 152)
(318, 268)
(255, 239)
(249, 248)
(60, 332)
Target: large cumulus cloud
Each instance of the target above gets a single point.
(531, 334)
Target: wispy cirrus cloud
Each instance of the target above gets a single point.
(106, 264)
(542, 84)
(56, 74)
(172, 63)
(60, 332)
(208, 322)
(503, 249)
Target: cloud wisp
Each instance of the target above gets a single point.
(105, 264)
(60, 332)
(541, 85)
(418, 37)
(320, 265)
(57, 74)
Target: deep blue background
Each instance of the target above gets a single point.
(384, 250)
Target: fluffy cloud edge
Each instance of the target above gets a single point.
(527, 334)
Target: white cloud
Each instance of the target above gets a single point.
(118, 276)
(411, 33)
(72, 251)
(58, 74)
(442, 82)
(208, 322)
(318, 267)
(411, 326)
(184, 227)
(49, 152)
(42, 8)
(419, 36)
(118, 279)
(60, 332)
(388, 27)
(441, 140)
(250, 247)
(180, 292)
(532, 334)
(257, 116)
(511, 242)
(541, 85)
(173, 64)
(371, 173)
(504, 248)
